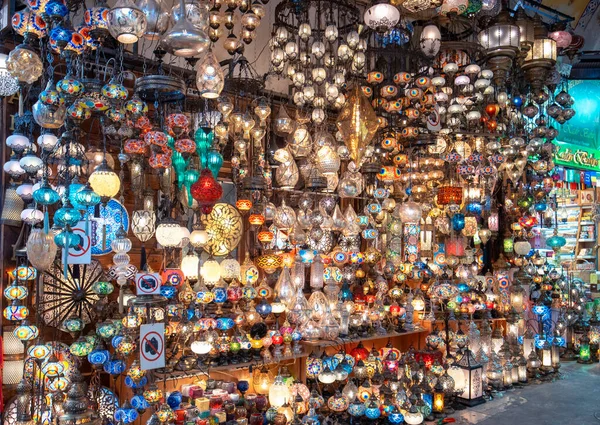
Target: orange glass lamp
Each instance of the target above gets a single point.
(438, 400)
(256, 219)
(243, 205)
(269, 262)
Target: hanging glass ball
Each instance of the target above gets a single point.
(458, 222)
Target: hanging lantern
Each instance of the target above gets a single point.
(105, 181)
(430, 40)
(209, 76)
(126, 22)
(184, 39)
(357, 123)
(207, 191)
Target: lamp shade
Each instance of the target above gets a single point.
(126, 22)
(143, 224)
(105, 181)
(279, 393)
(522, 247)
(168, 233)
(189, 266)
(209, 76)
(430, 41)
(382, 16)
(500, 36)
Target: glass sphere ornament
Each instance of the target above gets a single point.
(105, 181)
(126, 22)
(49, 115)
(24, 64)
(409, 212)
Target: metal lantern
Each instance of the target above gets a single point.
(541, 58)
(126, 22)
(501, 42)
(468, 375)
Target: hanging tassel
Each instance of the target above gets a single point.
(103, 236)
(66, 255)
(87, 224)
(46, 220)
(143, 259)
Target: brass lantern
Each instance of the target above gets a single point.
(501, 42)
(541, 58)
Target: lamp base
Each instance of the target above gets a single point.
(471, 402)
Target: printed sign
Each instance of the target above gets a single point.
(82, 253)
(152, 346)
(147, 283)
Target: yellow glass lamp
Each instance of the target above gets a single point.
(105, 181)
(357, 123)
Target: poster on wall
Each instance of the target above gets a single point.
(578, 140)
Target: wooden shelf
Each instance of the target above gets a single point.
(497, 319)
(341, 341)
(230, 367)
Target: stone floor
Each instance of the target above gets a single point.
(571, 400)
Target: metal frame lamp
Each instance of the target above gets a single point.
(472, 379)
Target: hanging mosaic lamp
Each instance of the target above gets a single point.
(207, 191)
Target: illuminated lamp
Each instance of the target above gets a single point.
(207, 191)
(265, 237)
(359, 352)
(450, 195)
(105, 181)
(269, 262)
(243, 205)
(256, 219)
(467, 374)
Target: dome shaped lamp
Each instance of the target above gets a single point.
(126, 22)
(168, 233)
(105, 181)
(382, 16)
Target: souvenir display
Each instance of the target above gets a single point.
(392, 235)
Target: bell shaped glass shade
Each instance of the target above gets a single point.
(126, 22)
(209, 76)
(184, 39)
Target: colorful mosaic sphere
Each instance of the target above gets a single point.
(26, 22)
(69, 86)
(135, 147)
(15, 312)
(136, 106)
(96, 18)
(114, 91)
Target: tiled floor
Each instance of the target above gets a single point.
(571, 400)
